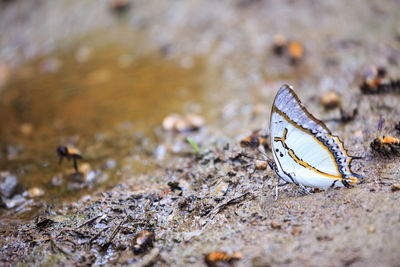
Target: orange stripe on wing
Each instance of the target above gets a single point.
(275, 109)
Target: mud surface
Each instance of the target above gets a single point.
(215, 200)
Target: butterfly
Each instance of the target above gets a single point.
(304, 150)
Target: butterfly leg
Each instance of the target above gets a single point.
(272, 165)
(276, 185)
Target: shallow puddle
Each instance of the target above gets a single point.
(104, 101)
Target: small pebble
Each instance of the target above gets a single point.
(85, 168)
(56, 181)
(330, 100)
(8, 184)
(275, 225)
(296, 231)
(111, 164)
(15, 201)
(261, 164)
(220, 189)
(371, 229)
(170, 121)
(182, 123)
(35, 192)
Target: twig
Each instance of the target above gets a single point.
(89, 221)
(113, 233)
(226, 203)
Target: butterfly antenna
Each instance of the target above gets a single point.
(246, 156)
(264, 154)
(380, 124)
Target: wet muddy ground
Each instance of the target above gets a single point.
(106, 86)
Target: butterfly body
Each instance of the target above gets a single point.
(304, 150)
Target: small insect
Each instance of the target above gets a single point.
(330, 100)
(346, 116)
(387, 145)
(294, 50)
(214, 257)
(69, 153)
(280, 44)
(120, 6)
(254, 140)
(376, 80)
(143, 241)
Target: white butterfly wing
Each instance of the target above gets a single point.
(303, 148)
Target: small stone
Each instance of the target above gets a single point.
(194, 121)
(296, 231)
(85, 168)
(178, 123)
(170, 121)
(371, 229)
(324, 238)
(90, 177)
(275, 225)
(160, 152)
(220, 189)
(395, 187)
(261, 164)
(16, 201)
(330, 100)
(111, 164)
(35, 192)
(56, 181)
(8, 184)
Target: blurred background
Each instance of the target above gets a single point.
(106, 77)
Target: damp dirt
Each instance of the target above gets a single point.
(105, 88)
